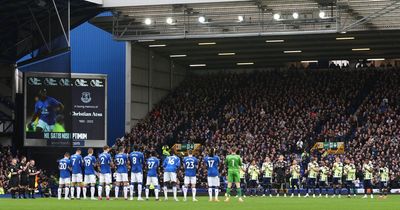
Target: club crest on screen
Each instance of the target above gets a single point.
(86, 98)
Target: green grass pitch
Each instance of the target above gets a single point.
(256, 203)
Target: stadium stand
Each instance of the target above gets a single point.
(267, 113)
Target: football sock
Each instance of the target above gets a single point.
(194, 193)
(184, 189)
(174, 191)
(100, 190)
(125, 192)
(108, 189)
(78, 192)
(72, 192)
(116, 191)
(147, 191)
(139, 190)
(92, 190)
(228, 191)
(66, 191)
(84, 191)
(131, 188)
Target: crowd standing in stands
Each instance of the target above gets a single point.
(272, 113)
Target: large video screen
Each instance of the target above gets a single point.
(65, 110)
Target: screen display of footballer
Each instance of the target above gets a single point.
(65, 110)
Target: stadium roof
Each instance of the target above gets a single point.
(27, 25)
(267, 51)
(261, 33)
(248, 18)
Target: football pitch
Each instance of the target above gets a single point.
(250, 203)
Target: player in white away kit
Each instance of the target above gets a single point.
(368, 170)
(136, 159)
(170, 165)
(152, 179)
(90, 176)
(121, 173)
(312, 170)
(337, 170)
(190, 164)
(64, 165)
(77, 179)
(105, 162)
(212, 163)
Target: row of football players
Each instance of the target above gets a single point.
(135, 161)
(73, 167)
(343, 175)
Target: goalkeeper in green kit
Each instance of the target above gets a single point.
(233, 163)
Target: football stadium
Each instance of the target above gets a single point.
(200, 104)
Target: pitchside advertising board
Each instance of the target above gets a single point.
(65, 110)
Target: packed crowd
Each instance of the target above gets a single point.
(281, 112)
(377, 134)
(5, 159)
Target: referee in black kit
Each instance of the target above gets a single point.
(32, 172)
(14, 172)
(23, 178)
(280, 175)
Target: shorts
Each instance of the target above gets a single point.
(322, 184)
(105, 178)
(349, 183)
(121, 177)
(384, 184)
(242, 181)
(311, 182)
(213, 181)
(267, 181)
(294, 182)
(367, 183)
(253, 184)
(77, 178)
(44, 126)
(24, 181)
(169, 177)
(152, 180)
(336, 181)
(14, 182)
(280, 180)
(64, 181)
(137, 177)
(233, 177)
(90, 179)
(32, 182)
(190, 180)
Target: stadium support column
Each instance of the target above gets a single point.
(150, 80)
(171, 74)
(128, 85)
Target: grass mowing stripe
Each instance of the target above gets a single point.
(256, 203)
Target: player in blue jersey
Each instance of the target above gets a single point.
(90, 175)
(212, 162)
(152, 178)
(45, 109)
(190, 164)
(76, 164)
(136, 159)
(105, 163)
(64, 165)
(121, 172)
(170, 165)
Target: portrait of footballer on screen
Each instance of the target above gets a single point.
(45, 113)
